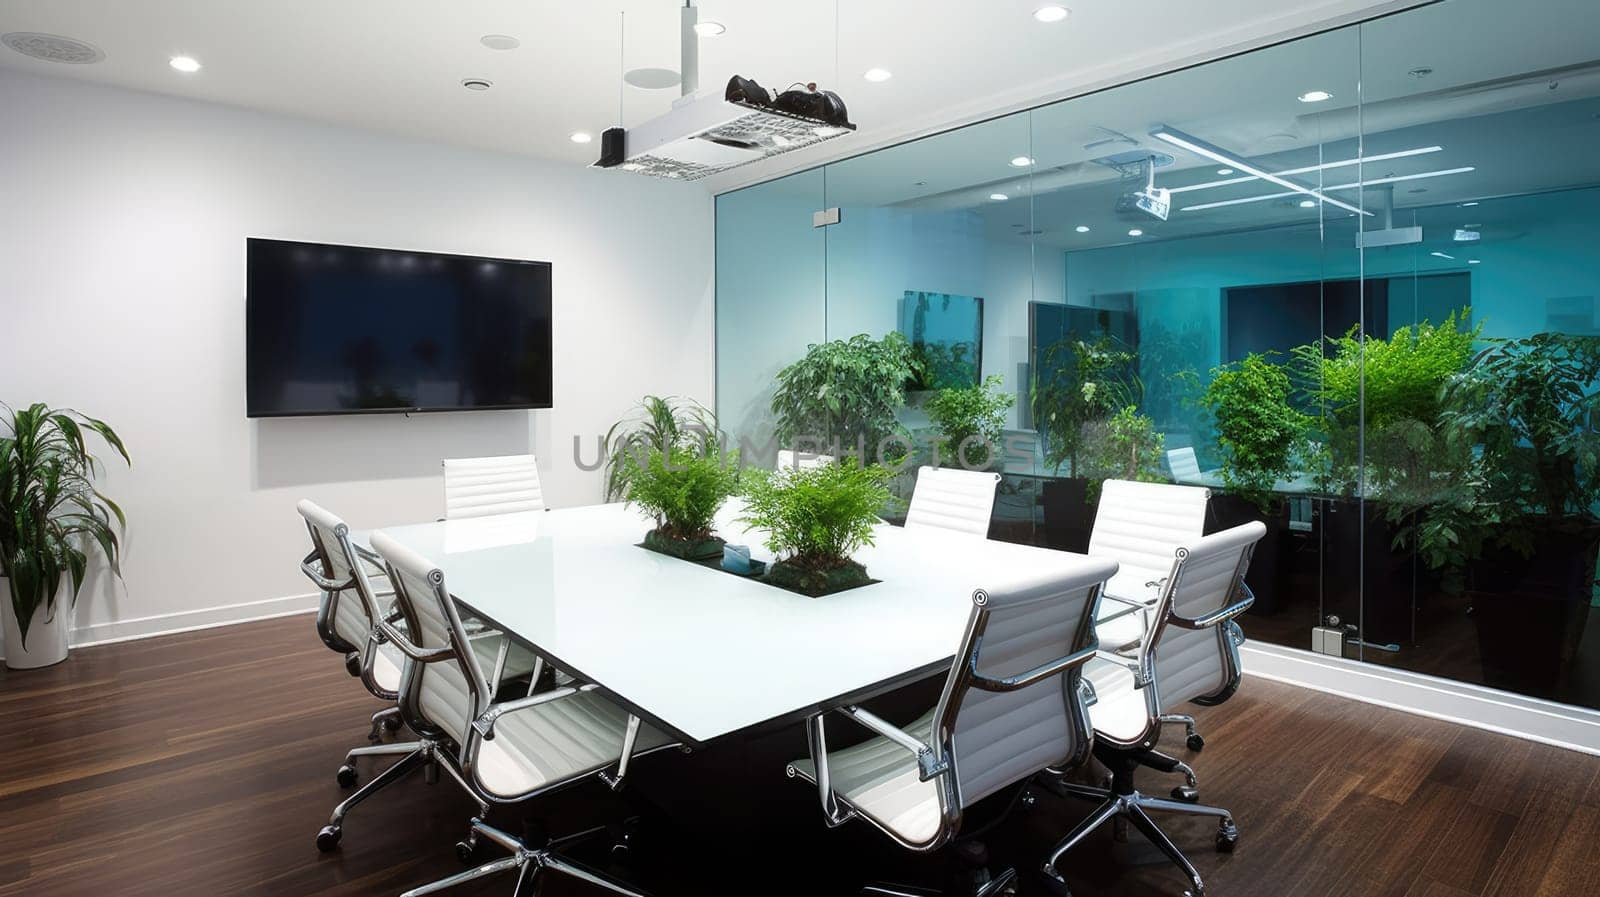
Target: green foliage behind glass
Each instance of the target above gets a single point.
(50, 511)
(683, 487)
(1125, 446)
(1080, 382)
(973, 411)
(818, 516)
(942, 365)
(1257, 429)
(1531, 408)
(846, 390)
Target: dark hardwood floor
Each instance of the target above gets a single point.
(203, 764)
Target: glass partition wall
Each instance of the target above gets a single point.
(1367, 315)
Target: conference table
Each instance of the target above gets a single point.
(701, 653)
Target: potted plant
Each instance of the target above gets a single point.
(1379, 403)
(816, 518)
(1077, 383)
(843, 395)
(51, 519)
(1124, 446)
(683, 488)
(655, 423)
(972, 420)
(1258, 431)
(1529, 409)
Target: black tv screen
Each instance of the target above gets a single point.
(349, 330)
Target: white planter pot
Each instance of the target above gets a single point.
(47, 633)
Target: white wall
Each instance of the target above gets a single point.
(122, 294)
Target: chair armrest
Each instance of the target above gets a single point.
(1217, 617)
(1131, 602)
(411, 651)
(484, 724)
(1037, 674)
(927, 766)
(314, 573)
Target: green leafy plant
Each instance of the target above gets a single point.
(1080, 382)
(1125, 446)
(655, 423)
(1257, 428)
(942, 365)
(683, 488)
(50, 511)
(816, 519)
(975, 411)
(1530, 408)
(845, 392)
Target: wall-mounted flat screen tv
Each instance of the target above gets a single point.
(351, 330)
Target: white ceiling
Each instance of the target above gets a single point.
(397, 65)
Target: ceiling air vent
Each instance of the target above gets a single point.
(53, 47)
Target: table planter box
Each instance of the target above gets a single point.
(693, 550)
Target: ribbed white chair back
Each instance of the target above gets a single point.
(953, 499)
(447, 694)
(792, 460)
(1190, 663)
(1183, 464)
(502, 484)
(1001, 737)
(352, 618)
(1140, 526)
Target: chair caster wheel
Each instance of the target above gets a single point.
(1196, 743)
(347, 776)
(352, 665)
(328, 838)
(1186, 793)
(391, 724)
(1227, 837)
(465, 851)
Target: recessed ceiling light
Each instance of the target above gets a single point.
(53, 47)
(581, 137)
(999, 197)
(1472, 261)
(1314, 96)
(877, 76)
(500, 42)
(1468, 205)
(1082, 228)
(476, 83)
(709, 29)
(186, 64)
(1021, 162)
(1224, 171)
(651, 78)
(1051, 12)
(1308, 203)
(1442, 255)
(1136, 233)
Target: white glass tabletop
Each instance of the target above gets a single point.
(703, 653)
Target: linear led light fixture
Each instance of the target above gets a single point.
(1216, 154)
(1350, 186)
(1381, 157)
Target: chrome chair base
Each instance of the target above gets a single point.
(1003, 884)
(425, 754)
(385, 721)
(527, 862)
(1191, 739)
(1134, 809)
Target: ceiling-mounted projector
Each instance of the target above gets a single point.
(1148, 201)
(706, 133)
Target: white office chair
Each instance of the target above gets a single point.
(1012, 706)
(1141, 525)
(479, 487)
(953, 499)
(1190, 653)
(792, 460)
(510, 751)
(1183, 465)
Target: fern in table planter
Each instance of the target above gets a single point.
(657, 422)
(816, 519)
(683, 488)
(51, 515)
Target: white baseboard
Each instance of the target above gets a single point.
(1548, 722)
(189, 620)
